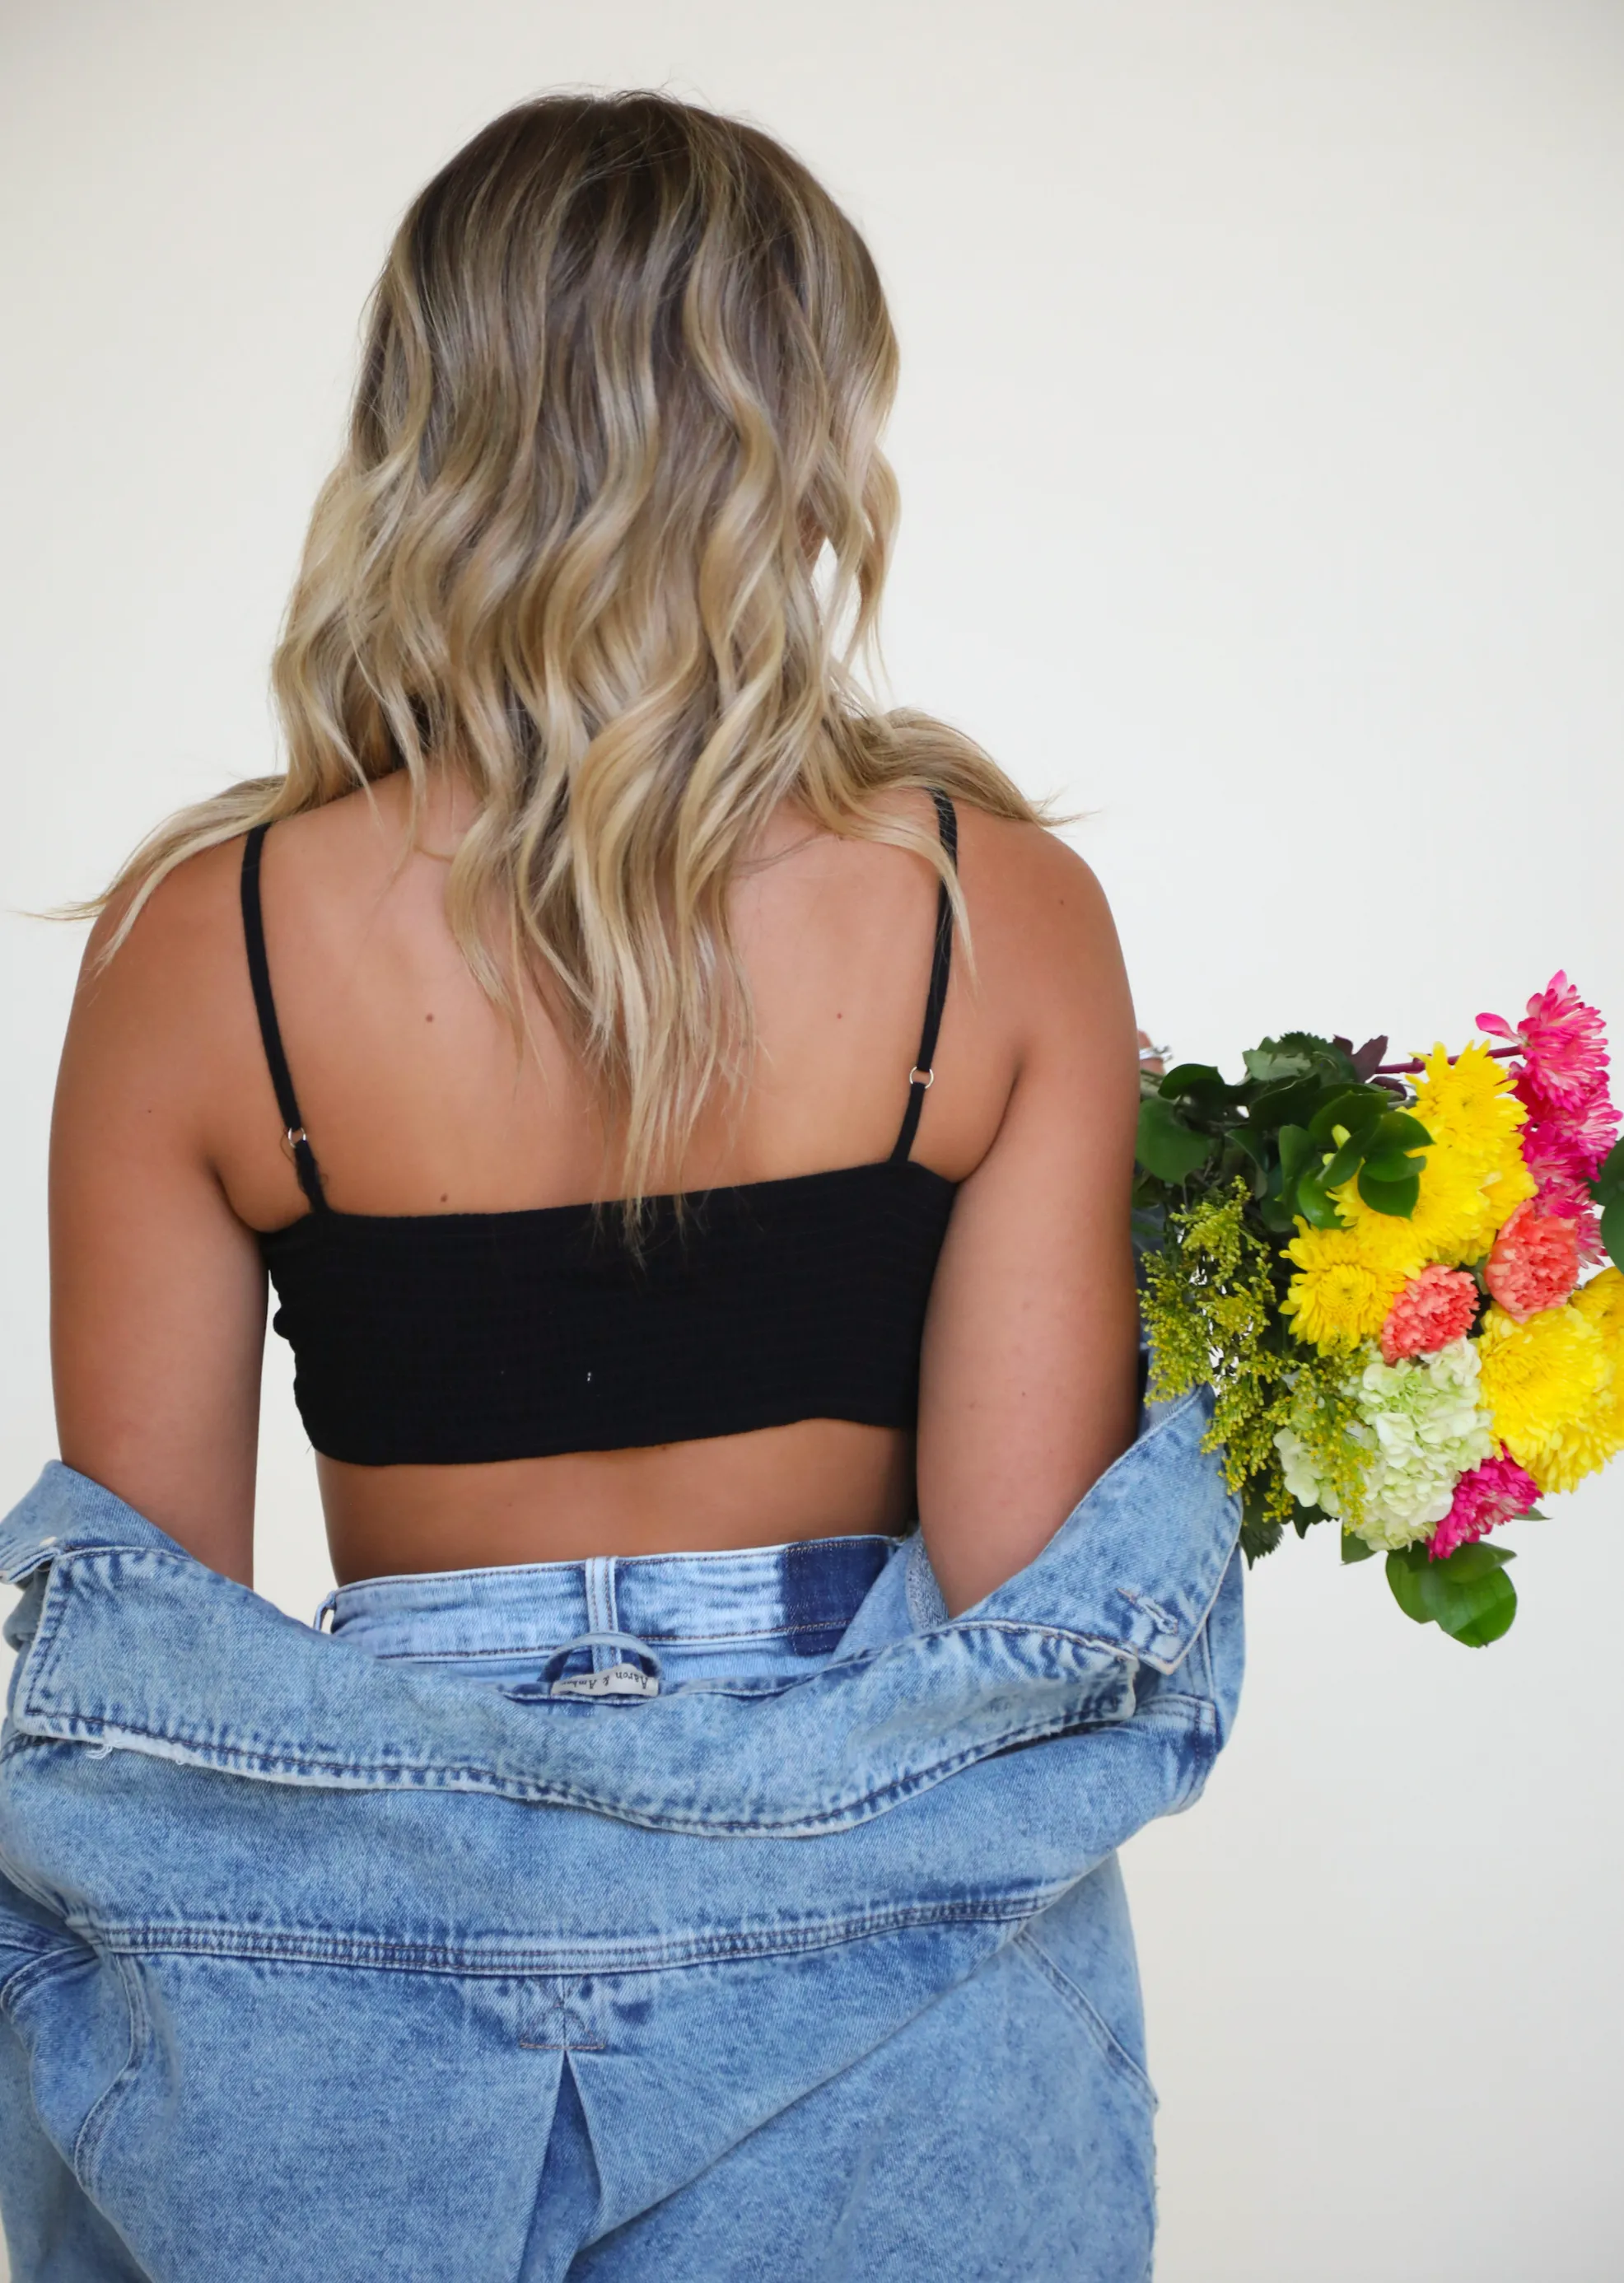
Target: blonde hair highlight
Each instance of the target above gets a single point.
(609, 536)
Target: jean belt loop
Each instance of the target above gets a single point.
(602, 1615)
(318, 1623)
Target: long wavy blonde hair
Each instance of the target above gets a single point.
(608, 536)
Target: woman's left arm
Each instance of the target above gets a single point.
(157, 1289)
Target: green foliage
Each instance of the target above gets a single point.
(1467, 1595)
(1307, 1117)
(1167, 1149)
(1211, 1306)
(1224, 1172)
(1608, 1190)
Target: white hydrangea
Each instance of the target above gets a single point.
(1424, 1423)
(1298, 1469)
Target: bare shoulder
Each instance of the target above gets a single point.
(162, 1060)
(185, 943)
(1044, 942)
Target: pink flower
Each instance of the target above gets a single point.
(1498, 1491)
(1562, 1082)
(1534, 1263)
(1567, 1146)
(1563, 1044)
(1435, 1307)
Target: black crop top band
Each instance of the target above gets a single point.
(458, 1338)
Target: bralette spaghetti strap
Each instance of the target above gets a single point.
(922, 1075)
(270, 1031)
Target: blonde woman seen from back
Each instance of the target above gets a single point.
(686, 1114)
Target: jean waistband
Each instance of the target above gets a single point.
(806, 1593)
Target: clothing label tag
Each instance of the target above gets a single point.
(614, 1680)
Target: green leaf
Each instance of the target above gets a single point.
(1191, 1078)
(1328, 1054)
(1316, 1207)
(1612, 1229)
(1473, 1561)
(1258, 1539)
(1272, 1061)
(1481, 1614)
(1167, 1147)
(1355, 1549)
(1393, 1165)
(1398, 1130)
(1356, 1107)
(1293, 1102)
(1296, 1150)
(1343, 1166)
(1609, 1183)
(1406, 1587)
(1396, 1198)
(1467, 1596)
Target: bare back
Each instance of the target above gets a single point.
(167, 1158)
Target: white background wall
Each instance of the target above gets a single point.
(1260, 451)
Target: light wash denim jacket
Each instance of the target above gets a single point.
(314, 1965)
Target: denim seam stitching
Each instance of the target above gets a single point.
(372, 1953)
(1080, 2003)
(93, 2131)
(409, 1774)
(653, 1641)
(35, 1659)
(642, 1560)
(51, 1623)
(37, 1967)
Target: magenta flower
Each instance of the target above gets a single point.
(1487, 1495)
(1570, 1147)
(1562, 1082)
(1563, 1158)
(1564, 1048)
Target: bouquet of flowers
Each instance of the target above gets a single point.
(1396, 1278)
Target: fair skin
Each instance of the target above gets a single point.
(166, 1158)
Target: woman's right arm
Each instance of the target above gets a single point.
(157, 1292)
(1028, 1381)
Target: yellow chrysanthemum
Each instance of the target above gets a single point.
(1474, 1177)
(1601, 1302)
(1445, 1221)
(1385, 1240)
(1549, 1384)
(1345, 1288)
(1470, 1100)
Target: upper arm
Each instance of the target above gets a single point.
(1028, 1388)
(157, 1292)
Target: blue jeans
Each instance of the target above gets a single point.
(698, 1918)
